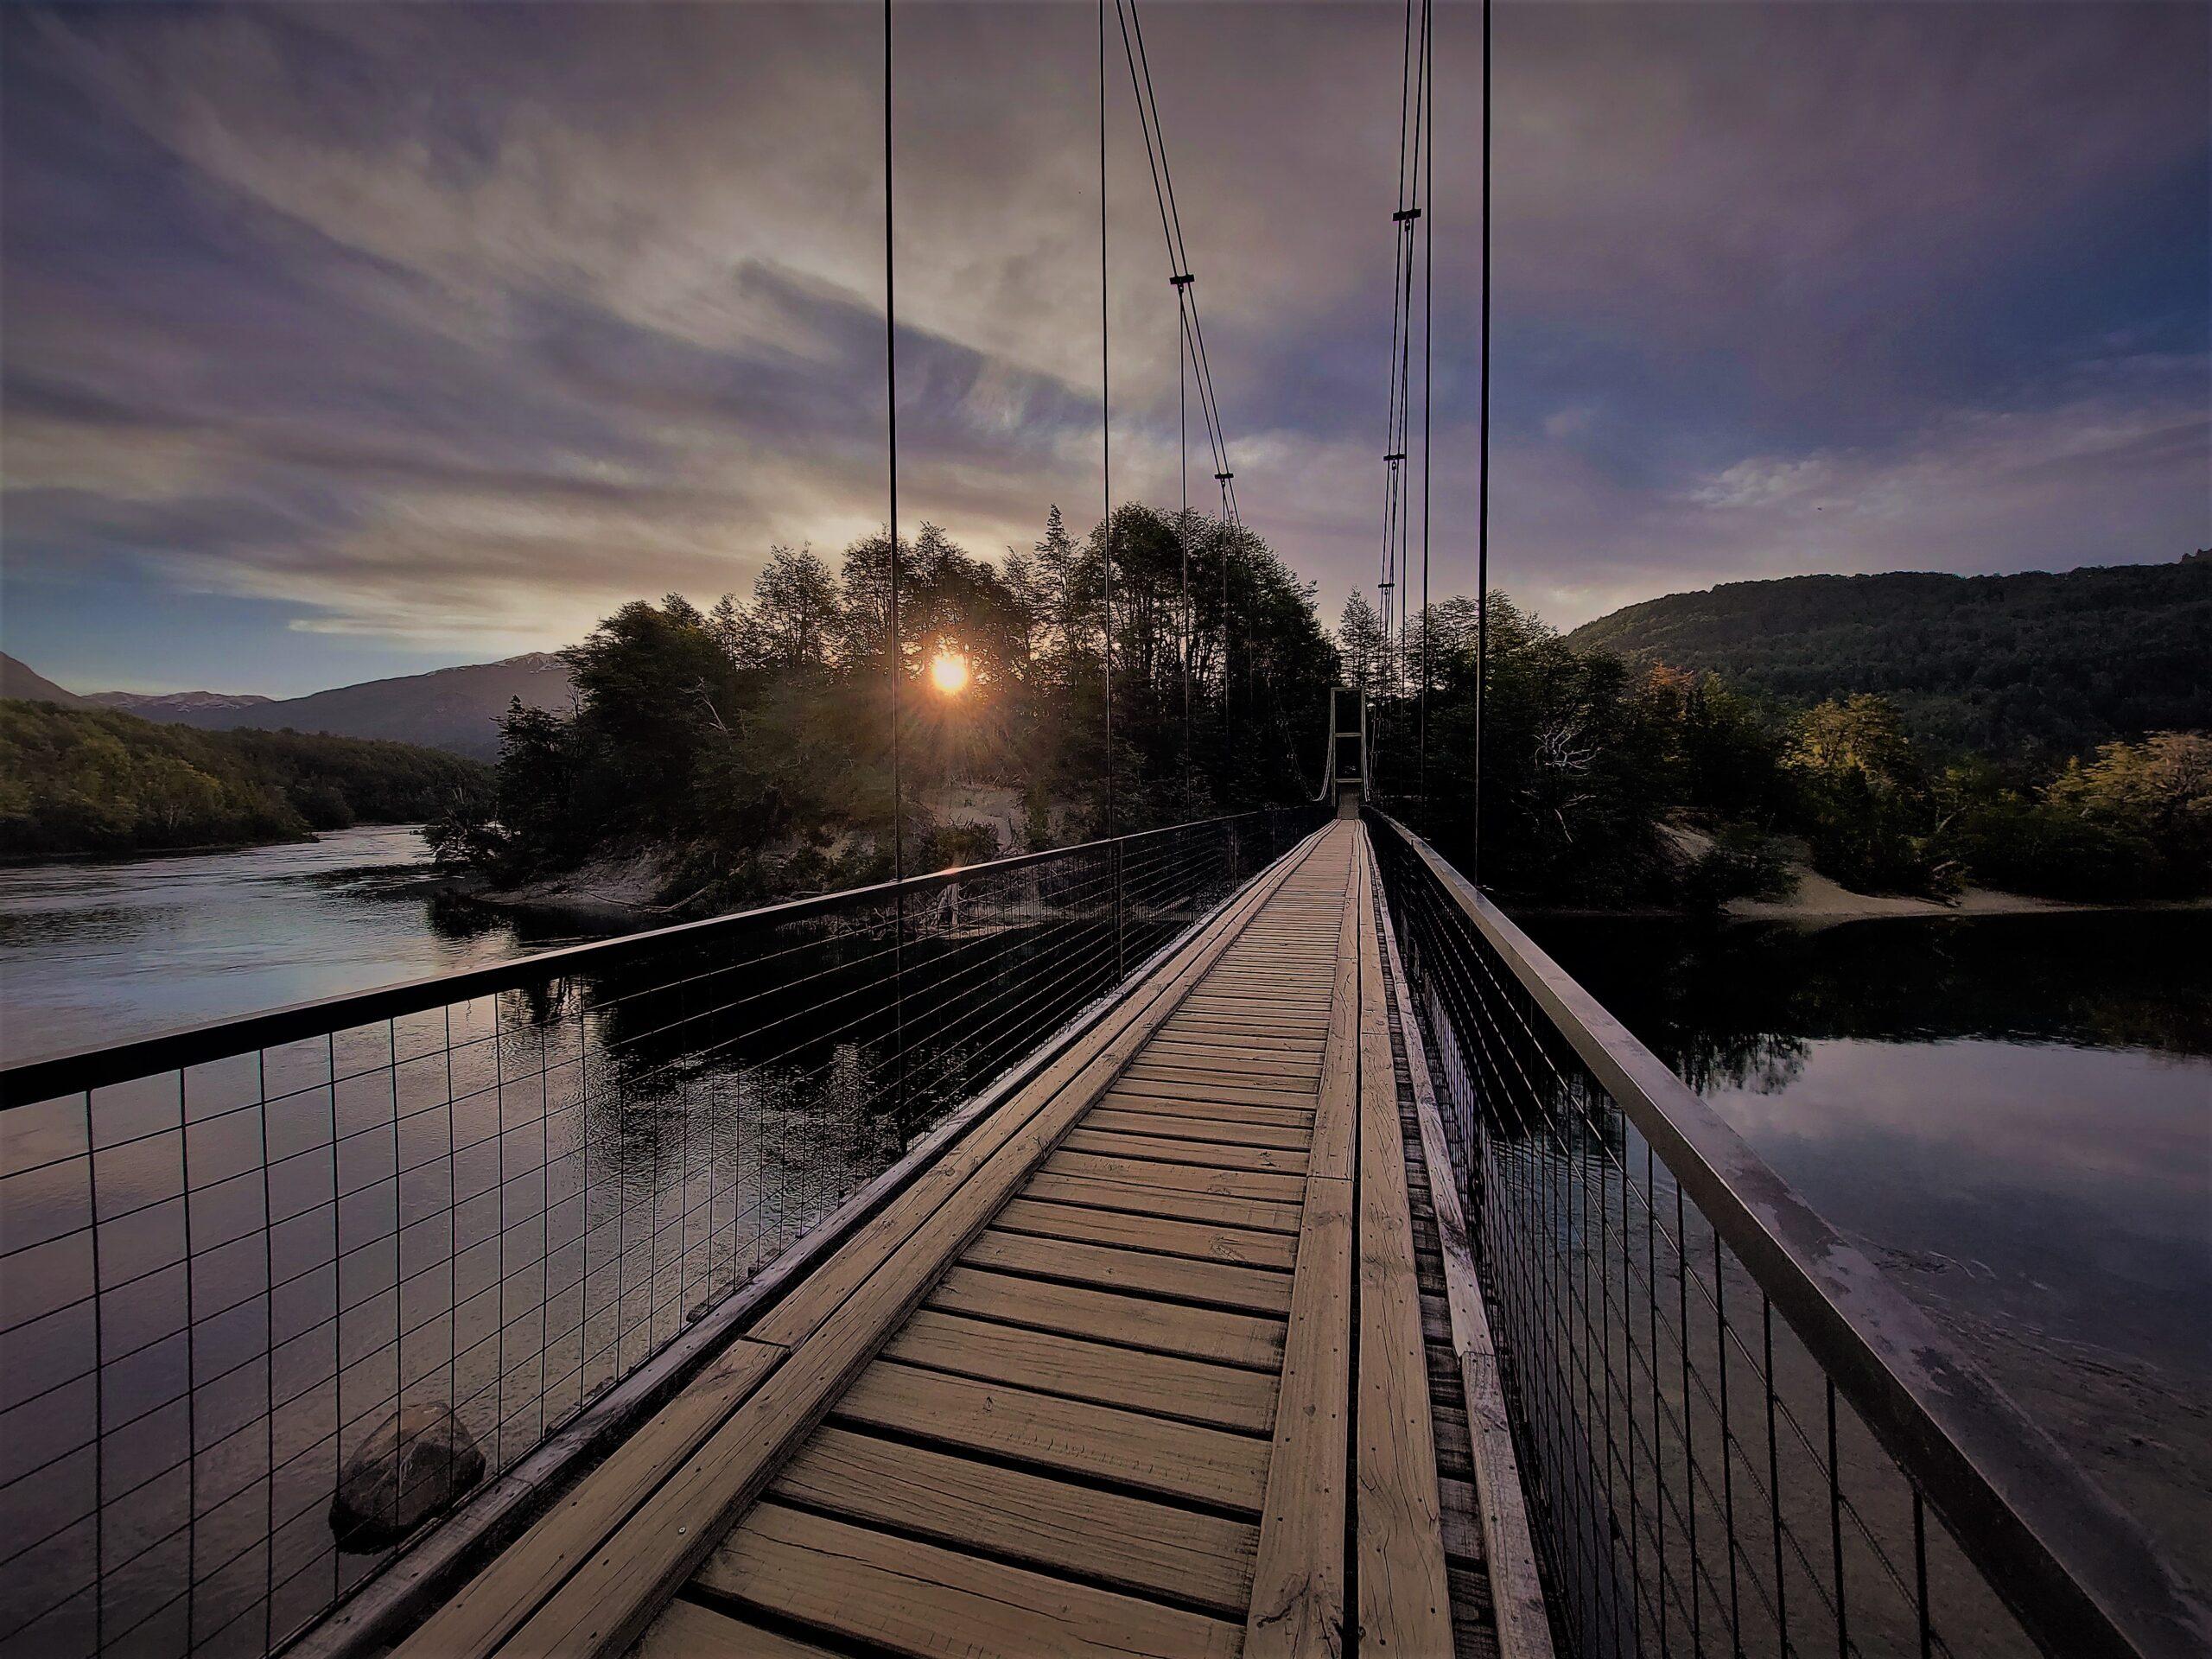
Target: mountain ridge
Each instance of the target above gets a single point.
(2038, 662)
(457, 709)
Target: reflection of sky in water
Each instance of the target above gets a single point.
(2014, 1114)
(2075, 1184)
(97, 951)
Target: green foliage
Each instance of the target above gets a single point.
(1742, 864)
(1574, 769)
(1586, 760)
(95, 780)
(754, 739)
(2034, 667)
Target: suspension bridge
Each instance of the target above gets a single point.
(1229, 1238)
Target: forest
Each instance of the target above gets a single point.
(1591, 759)
(98, 781)
(748, 744)
(2038, 666)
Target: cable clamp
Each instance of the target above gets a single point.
(1223, 478)
(1184, 280)
(1400, 455)
(1405, 215)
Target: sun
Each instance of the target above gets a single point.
(948, 672)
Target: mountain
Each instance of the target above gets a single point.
(452, 708)
(2038, 663)
(457, 709)
(181, 706)
(18, 681)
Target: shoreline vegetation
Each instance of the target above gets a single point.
(97, 783)
(719, 757)
(716, 758)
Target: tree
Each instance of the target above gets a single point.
(1361, 641)
(792, 622)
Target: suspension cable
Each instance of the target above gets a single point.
(1482, 516)
(897, 655)
(1106, 422)
(1181, 274)
(1427, 381)
(1411, 253)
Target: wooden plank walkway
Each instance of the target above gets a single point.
(1138, 1367)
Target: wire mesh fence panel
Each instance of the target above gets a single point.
(1692, 1358)
(275, 1293)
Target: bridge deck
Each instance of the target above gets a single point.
(1139, 1366)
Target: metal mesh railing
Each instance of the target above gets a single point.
(1738, 1440)
(414, 1231)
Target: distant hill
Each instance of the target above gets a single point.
(184, 706)
(102, 781)
(2037, 663)
(17, 680)
(457, 709)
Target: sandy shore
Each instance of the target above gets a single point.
(1819, 900)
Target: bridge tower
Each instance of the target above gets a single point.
(1347, 768)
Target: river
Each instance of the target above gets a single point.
(93, 952)
(2013, 1113)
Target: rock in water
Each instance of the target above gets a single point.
(418, 1462)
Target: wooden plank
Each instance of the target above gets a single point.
(1516, 1597)
(1462, 1523)
(1177, 1032)
(1336, 1104)
(1405, 1596)
(1207, 1081)
(925, 1601)
(1180, 1178)
(1298, 1578)
(1277, 1010)
(1217, 1027)
(1131, 1543)
(1157, 1455)
(1230, 1055)
(687, 1631)
(1213, 1154)
(1199, 1240)
(879, 1273)
(1213, 1045)
(1220, 1396)
(1210, 1111)
(1218, 1284)
(526, 1572)
(1248, 1094)
(1208, 1333)
(1258, 1214)
(1290, 1001)
(1112, 1120)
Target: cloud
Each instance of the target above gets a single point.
(445, 326)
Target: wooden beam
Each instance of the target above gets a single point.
(1405, 1596)
(1298, 1580)
(1508, 1549)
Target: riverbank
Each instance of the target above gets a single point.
(1816, 899)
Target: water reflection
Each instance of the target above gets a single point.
(2014, 1114)
(97, 950)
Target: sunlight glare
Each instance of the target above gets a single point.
(948, 671)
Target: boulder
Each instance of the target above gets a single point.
(418, 1463)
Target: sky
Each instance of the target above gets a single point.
(346, 340)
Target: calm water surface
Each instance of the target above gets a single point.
(93, 952)
(2013, 1114)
